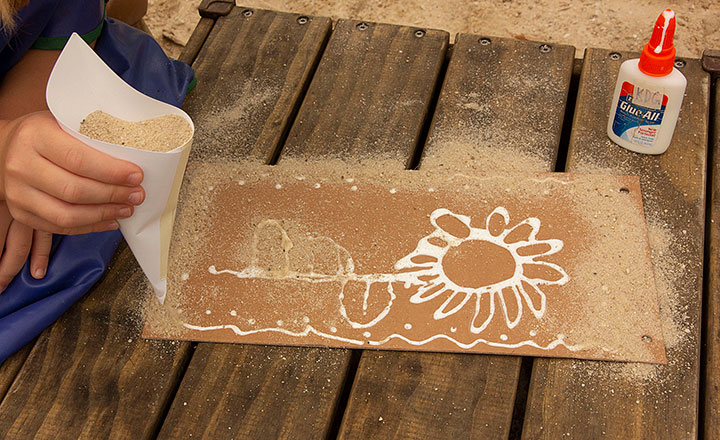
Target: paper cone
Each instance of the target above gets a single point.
(81, 83)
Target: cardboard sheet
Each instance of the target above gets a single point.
(543, 265)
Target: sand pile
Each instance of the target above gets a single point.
(161, 134)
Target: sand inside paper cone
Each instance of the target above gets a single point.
(161, 134)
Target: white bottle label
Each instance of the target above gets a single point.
(639, 114)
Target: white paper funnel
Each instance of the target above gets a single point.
(81, 83)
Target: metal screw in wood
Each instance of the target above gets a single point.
(545, 48)
(615, 56)
(303, 20)
(248, 12)
(419, 33)
(679, 64)
(485, 41)
(362, 26)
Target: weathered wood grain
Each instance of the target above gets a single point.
(501, 105)
(251, 73)
(196, 41)
(259, 392)
(585, 399)
(90, 374)
(501, 108)
(368, 93)
(711, 428)
(11, 366)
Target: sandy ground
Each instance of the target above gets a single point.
(617, 24)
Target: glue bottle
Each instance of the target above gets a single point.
(648, 94)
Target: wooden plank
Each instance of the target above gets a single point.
(127, 369)
(265, 60)
(257, 392)
(585, 399)
(290, 392)
(502, 104)
(251, 73)
(368, 92)
(711, 428)
(11, 366)
(196, 41)
(90, 373)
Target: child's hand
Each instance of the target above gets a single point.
(52, 182)
(16, 242)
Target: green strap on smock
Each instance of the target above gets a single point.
(57, 43)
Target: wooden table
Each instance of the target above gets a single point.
(305, 87)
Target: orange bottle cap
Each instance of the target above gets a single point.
(658, 56)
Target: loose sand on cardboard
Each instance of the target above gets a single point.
(601, 310)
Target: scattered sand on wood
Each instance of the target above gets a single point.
(673, 252)
(161, 134)
(232, 126)
(462, 150)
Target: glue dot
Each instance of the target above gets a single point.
(241, 182)
(316, 186)
(251, 321)
(278, 186)
(393, 190)
(333, 330)
(300, 178)
(349, 180)
(233, 313)
(207, 312)
(353, 188)
(279, 323)
(533, 333)
(453, 329)
(211, 187)
(432, 190)
(366, 334)
(408, 326)
(184, 276)
(503, 337)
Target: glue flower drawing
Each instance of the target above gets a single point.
(490, 268)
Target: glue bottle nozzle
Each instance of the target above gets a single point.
(658, 56)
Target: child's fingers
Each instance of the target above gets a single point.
(85, 161)
(17, 248)
(60, 217)
(64, 185)
(40, 253)
(5, 220)
(43, 225)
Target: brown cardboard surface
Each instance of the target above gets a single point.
(540, 264)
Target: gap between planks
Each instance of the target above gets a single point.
(708, 413)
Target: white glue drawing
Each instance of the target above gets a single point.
(444, 264)
(456, 263)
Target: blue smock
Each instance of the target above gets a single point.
(28, 306)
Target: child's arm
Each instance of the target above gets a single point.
(49, 181)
